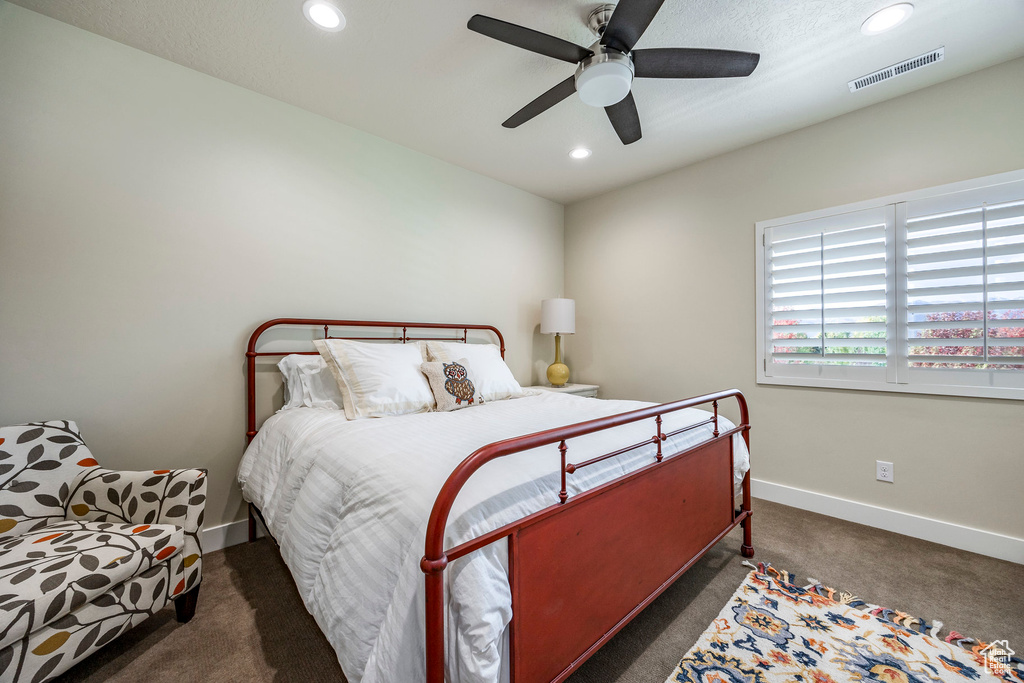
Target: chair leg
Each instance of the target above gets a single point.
(185, 605)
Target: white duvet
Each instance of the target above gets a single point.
(348, 502)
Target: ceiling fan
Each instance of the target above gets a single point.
(605, 71)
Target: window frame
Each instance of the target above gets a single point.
(898, 376)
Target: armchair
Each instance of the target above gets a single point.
(86, 553)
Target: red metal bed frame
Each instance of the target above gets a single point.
(572, 566)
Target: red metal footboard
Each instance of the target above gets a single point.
(582, 568)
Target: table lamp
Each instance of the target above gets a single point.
(558, 317)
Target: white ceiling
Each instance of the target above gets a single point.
(411, 72)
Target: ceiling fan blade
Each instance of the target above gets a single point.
(542, 103)
(528, 39)
(625, 119)
(685, 62)
(629, 21)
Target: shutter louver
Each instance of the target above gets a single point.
(827, 291)
(965, 288)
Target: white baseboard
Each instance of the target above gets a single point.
(946, 533)
(232, 533)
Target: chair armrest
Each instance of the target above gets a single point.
(175, 497)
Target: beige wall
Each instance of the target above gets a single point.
(663, 277)
(151, 217)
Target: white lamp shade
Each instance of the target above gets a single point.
(558, 316)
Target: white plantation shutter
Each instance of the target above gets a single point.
(945, 282)
(965, 282)
(920, 292)
(826, 290)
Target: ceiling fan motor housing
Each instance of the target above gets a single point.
(599, 18)
(604, 78)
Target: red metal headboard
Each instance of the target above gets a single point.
(251, 354)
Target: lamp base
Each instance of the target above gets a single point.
(558, 374)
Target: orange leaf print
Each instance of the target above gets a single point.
(166, 552)
(161, 471)
(52, 643)
(180, 587)
(2, 441)
(47, 538)
(88, 462)
(140, 529)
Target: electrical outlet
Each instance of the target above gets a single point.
(883, 471)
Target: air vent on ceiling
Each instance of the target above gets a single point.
(898, 69)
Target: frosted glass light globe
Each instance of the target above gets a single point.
(604, 84)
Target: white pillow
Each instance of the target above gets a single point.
(377, 379)
(309, 383)
(493, 379)
(292, 382)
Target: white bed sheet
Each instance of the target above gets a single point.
(348, 502)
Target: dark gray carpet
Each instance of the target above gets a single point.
(252, 626)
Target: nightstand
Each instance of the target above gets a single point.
(589, 390)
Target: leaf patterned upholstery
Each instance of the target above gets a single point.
(39, 463)
(175, 497)
(85, 552)
(46, 573)
(55, 648)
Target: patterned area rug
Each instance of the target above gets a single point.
(773, 630)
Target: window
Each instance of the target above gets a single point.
(920, 292)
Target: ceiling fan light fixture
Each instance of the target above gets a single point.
(604, 79)
(886, 19)
(324, 15)
(605, 70)
(580, 153)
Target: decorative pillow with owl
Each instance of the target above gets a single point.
(452, 384)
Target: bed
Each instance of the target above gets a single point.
(492, 544)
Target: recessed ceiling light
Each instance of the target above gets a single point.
(885, 19)
(580, 153)
(324, 15)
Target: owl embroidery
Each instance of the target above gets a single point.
(458, 384)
